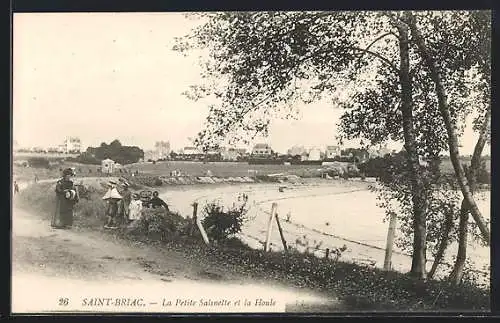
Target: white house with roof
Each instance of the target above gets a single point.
(262, 150)
(314, 154)
(107, 166)
(332, 152)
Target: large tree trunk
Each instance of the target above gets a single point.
(418, 193)
(450, 128)
(443, 243)
(458, 268)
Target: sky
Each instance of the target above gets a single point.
(106, 76)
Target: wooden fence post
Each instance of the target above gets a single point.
(281, 232)
(270, 226)
(390, 242)
(202, 230)
(195, 217)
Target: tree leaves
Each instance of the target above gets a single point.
(261, 57)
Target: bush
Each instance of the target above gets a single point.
(353, 171)
(220, 224)
(158, 224)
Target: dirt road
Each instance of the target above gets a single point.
(75, 270)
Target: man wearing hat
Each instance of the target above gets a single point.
(67, 197)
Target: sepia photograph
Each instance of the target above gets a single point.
(251, 162)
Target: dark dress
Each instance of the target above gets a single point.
(157, 202)
(63, 216)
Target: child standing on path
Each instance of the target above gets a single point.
(134, 214)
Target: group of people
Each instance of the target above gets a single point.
(122, 206)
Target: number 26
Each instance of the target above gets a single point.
(63, 301)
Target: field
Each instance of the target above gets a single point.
(24, 174)
(223, 169)
(49, 156)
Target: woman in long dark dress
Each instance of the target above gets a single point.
(67, 197)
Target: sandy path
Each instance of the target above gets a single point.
(49, 265)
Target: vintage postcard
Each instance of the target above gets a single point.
(251, 162)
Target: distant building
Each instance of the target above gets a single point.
(107, 166)
(296, 151)
(314, 154)
(304, 156)
(151, 155)
(230, 154)
(242, 152)
(213, 154)
(379, 152)
(332, 152)
(374, 152)
(262, 150)
(61, 148)
(72, 145)
(162, 149)
(191, 151)
(359, 155)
